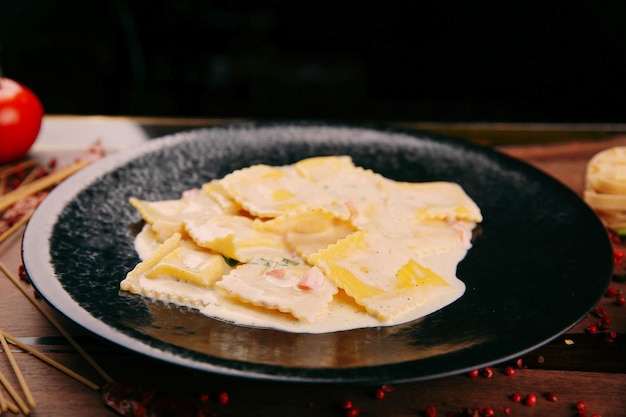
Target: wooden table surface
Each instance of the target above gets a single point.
(576, 366)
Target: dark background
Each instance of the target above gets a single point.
(383, 60)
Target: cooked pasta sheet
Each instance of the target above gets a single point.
(317, 246)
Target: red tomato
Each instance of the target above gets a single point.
(21, 114)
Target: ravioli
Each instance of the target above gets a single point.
(267, 191)
(430, 200)
(381, 273)
(165, 286)
(236, 237)
(300, 290)
(167, 217)
(328, 243)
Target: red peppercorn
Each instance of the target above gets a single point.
(551, 396)
(508, 411)
(520, 363)
(488, 412)
(592, 329)
(531, 399)
(430, 411)
(596, 415)
(346, 405)
(614, 238)
(222, 397)
(516, 397)
(204, 397)
(387, 388)
(611, 292)
(474, 373)
(599, 312)
(620, 300)
(617, 256)
(379, 394)
(581, 406)
(509, 371)
(352, 412)
(487, 372)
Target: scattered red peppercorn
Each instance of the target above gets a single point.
(520, 363)
(617, 256)
(430, 411)
(508, 411)
(474, 373)
(620, 300)
(611, 292)
(352, 412)
(592, 329)
(530, 399)
(516, 397)
(387, 388)
(614, 238)
(346, 405)
(551, 396)
(581, 407)
(222, 397)
(488, 412)
(599, 312)
(596, 415)
(487, 372)
(204, 397)
(509, 371)
(379, 394)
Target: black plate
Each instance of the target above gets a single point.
(539, 264)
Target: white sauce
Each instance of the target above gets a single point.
(343, 314)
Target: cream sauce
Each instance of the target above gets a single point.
(343, 313)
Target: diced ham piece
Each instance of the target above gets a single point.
(351, 207)
(313, 279)
(276, 273)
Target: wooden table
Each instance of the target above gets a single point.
(577, 366)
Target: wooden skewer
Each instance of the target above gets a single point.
(55, 323)
(40, 184)
(25, 218)
(14, 394)
(18, 373)
(50, 361)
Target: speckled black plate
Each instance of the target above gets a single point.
(539, 264)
